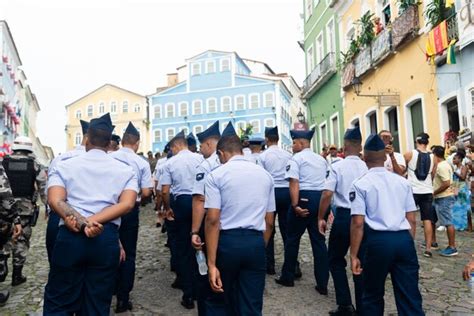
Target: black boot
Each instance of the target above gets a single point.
(17, 277)
(4, 295)
(123, 306)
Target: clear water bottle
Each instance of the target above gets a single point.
(471, 284)
(201, 261)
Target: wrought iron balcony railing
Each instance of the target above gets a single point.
(320, 73)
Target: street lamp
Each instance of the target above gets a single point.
(356, 83)
(300, 117)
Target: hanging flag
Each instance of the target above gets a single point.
(438, 38)
(451, 56)
(430, 52)
(450, 3)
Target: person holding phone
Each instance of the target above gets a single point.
(395, 162)
(307, 173)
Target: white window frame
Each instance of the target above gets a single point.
(78, 114)
(308, 9)
(125, 102)
(193, 72)
(235, 102)
(113, 107)
(368, 113)
(321, 142)
(319, 47)
(331, 126)
(135, 108)
(237, 127)
(195, 131)
(154, 135)
(180, 108)
(222, 61)
(101, 107)
(159, 107)
(185, 129)
(90, 110)
(222, 104)
(194, 107)
(258, 125)
(78, 139)
(269, 122)
(168, 137)
(309, 59)
(265, 99)
(207, 105)
(250, 100)
(166, 110)
(331, 37)
(213, 63)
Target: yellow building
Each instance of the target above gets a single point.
(124, 106)
(397, 88)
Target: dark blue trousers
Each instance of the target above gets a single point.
(283, 203)
(51, 233)
(394, 253)
(82, 274)
(295, 229)
(186, 262)
(339, 243)
(128, 234)
(241, 263)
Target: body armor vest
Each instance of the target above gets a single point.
(21, 174)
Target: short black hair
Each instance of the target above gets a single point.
(129, 139)
(273, 138)
(423, 138)
(230, 144)
(99, 137)
(461, 154)
(438, 151)
(179, 140)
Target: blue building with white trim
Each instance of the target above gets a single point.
(216, 85)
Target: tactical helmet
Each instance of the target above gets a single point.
(22, 143)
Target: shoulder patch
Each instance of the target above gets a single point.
(327, 174)
(288, 167)
(352, 196)
(199, 176)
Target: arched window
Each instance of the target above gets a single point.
(226, 104)
(113, 107)
(157, 111)
(197, 107)
(101, 107)
(256, 126)
(125, 107)
(169, 134)
(211, 105)
(269, 102)
(137, 108)
(254, 101)
(239, 103)
(157, 135)
(78, 114)
(183, 109)
(78, 139)
(90, 110)
(269, 122)
(198, 129)
(170, 110)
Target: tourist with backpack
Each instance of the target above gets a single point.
(420, 170)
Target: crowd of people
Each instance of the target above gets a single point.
(218, 206)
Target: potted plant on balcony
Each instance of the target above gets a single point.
(403, 5)
(367, 32)
(436, 12)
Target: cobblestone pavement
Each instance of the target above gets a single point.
(444, 292)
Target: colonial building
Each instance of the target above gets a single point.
(124, 106)
(321, 88)
(216, 85)
(386, 81)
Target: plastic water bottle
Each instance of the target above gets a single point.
(201, 261)
(471, 284)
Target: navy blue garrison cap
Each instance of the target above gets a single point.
(191, 139)
(167, 148)
(116, 138)
(103, 123)
(211, 131)
(178, 136)
(84, 126)
(374, 143)
(296, 134)
(132, 130)
(255, 140)
(271, 131)
(353, 134)
(229, 130)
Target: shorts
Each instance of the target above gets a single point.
(425, 204)
(444, 210)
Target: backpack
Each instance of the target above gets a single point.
(423, 165)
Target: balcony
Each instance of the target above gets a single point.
(452, 28)
(405, 27)
(320, 74)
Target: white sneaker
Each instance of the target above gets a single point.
(441, 229)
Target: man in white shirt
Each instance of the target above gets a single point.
(395, 162)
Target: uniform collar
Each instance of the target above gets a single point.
(378, 169)
(237, 158)
(96, 153)
(273, 146)
(183, 152)
(128, 150)
(306, 149)
(352, 157)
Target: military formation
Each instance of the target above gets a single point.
(218, 206)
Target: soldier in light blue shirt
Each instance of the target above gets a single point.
(337, 187)
(192, 143)
(384, 215)
(239, 221)
(255, 145)
(180, 173)
(53, 217)
(129, 229)
(90, 193)
(274, 160)
(306, 172)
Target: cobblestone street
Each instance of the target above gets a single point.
(444, 292)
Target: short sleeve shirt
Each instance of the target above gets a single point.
(309, 168)
(444, 172)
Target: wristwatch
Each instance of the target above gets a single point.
(194, 233)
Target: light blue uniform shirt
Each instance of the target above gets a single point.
(309, 168)
(275, 160)
(159, 171)
(243, 192)
(254, 158)
(140, 167)
(93, 181)
(384, 198)
(180, 172)
(340, 179)
(78, 150)
(203, 170)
